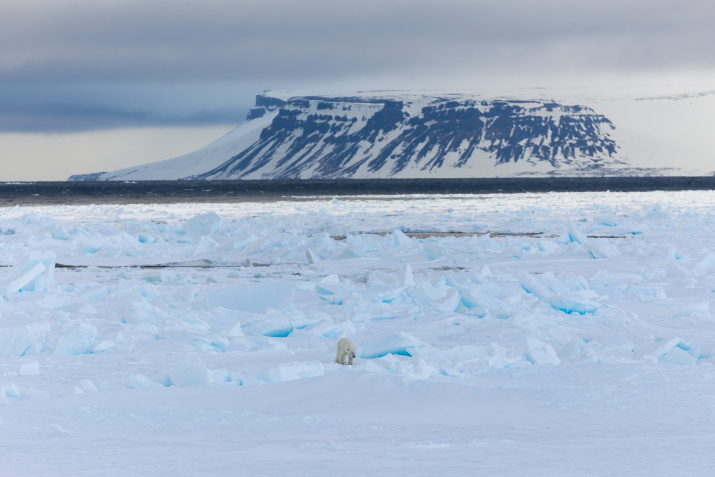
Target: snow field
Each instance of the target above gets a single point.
(516, 334)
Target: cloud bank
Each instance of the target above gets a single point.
(71, 65)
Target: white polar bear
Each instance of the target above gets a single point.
(345, 348)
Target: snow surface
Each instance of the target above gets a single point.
(521, 335)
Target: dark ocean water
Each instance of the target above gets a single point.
(72, 193)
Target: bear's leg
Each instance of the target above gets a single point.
(339, 358)
(350, 359)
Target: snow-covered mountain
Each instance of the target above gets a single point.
(411, 135)
(319, 137)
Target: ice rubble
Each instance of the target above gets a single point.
(260, 294)
(33, 273)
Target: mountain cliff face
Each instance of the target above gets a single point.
(355, 137)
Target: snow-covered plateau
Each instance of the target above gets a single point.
(408, 135)
(552, 334)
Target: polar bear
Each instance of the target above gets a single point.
(345, 348)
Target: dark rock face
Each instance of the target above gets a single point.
(325, 137)
(85, 177)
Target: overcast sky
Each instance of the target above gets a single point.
(103, 70)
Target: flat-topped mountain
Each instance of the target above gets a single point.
(405, 135)
(319, 137)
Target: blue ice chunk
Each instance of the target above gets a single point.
(330, 289)
(534, 286)
(79, 340)
(60, 233)
(204, 224)
(335, 294)
(660, 348)
(448, 303)
(393, 343)
(279, 333)
(573, 303)
(407, 278)
(399, 238)
(700, 310)
(349, 252)
(29, 368)
(678, 356)
(193, 323)
(311, 257)
(191, 373)
(602, 250)
(701, 350)
(272, 326)
(425, 293)
(706, 262)
(9, 391)
(86, 249)
(575, 235)
(434, 251)
(19, 341)
(500, 357)
(540, 353)
(34, 273)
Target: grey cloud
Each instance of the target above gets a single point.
(264, 44)
(70, 118)
(212, 39)
(70, 107)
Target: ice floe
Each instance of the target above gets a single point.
(144, 299)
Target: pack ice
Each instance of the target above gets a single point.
(527, 334)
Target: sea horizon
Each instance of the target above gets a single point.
(216, 191)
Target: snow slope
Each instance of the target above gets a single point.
(523, 335)
(197, 162)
